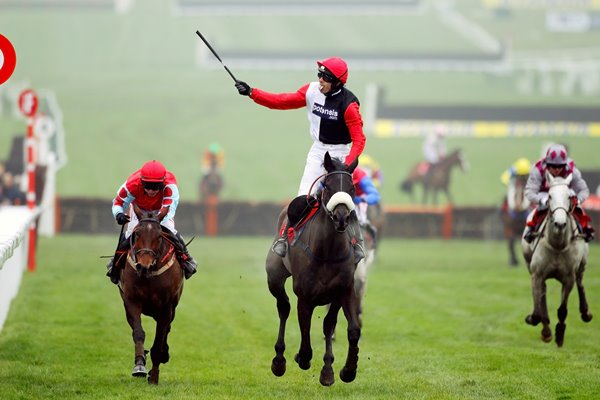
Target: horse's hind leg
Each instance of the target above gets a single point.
(350, 307)
(276, 277)
(133, 314)
(586, 315)
(327, 377)
(511, 249)
(562, 312)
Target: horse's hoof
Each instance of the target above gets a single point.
(302, 364)
(532, 320)
(327, 377)
(560, 334)
(347, 375)
(278, 367)
(153, 378)
(586, 317)
(546, 339)
(139, 371)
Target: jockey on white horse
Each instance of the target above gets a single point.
(556, 163)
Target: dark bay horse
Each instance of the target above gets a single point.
(151, 283)
(436, 179)
(515, 208)
(560, 252)
(321, 264)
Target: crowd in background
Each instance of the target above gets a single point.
(10, 188)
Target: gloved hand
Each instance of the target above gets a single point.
(543, 201)
(122, 219)
(243, 88)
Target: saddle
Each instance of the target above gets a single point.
(294, 231)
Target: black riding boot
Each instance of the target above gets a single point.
(280, 246)
(185, 259)
(121, 252)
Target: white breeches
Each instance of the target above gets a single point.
(314, 164)
(361, 212)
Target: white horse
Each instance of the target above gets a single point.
(560, 252)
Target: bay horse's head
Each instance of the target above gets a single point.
(338, 191)
(559, 202)
(147, 239)
(457, 157)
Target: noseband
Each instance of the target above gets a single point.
(342, 196)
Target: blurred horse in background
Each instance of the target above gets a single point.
(515, 208)
(560, 252)
(434, 178)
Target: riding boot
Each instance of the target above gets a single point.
(589, 233)
(112, 270)
(357, 240)
(185, 259)
(280, 246)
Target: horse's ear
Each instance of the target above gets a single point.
(162, 213)
(350, 168)
(568, 179)
(549, 177)
(327, 163)
(137, 211)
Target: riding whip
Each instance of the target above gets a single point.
(216, 55)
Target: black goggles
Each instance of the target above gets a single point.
(326, 76)
(557, 166)
(152, 185)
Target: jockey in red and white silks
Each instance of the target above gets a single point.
(132, 191)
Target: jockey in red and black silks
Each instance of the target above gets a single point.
(335, 125)
(151, 188)
(556, 163)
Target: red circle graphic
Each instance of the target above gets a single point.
(10, 59)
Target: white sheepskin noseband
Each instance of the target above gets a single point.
(340, 198)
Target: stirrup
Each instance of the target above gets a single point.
(112, 272)
(280, 247)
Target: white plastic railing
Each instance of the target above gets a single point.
(14, 226)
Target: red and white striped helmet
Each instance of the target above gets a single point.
(556, 154)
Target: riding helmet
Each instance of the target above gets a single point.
(556, 154)
(336, 66)
(153, 171)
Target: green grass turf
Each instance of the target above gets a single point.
(443, 320)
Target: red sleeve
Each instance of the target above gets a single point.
(280, 101)
(355, 126)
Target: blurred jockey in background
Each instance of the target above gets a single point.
(556, 163)
(151, 188)
(372, 168)
(366, 195)
(213, 158)
(434, 147)
(518, 171)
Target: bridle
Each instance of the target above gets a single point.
(341, 174)
(146, 250)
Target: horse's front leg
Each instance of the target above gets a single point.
(159, 353)
(540, 308)
(134, 318)
(350, 307)
(276, 277)
(511, 250)
(563, 311)
(329, 323)
(305, 312)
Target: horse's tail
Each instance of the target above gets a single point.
(406, 186)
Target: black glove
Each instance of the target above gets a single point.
(122, 219)
(243, 88)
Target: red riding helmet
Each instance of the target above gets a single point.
(153, 171)
(337, 67)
